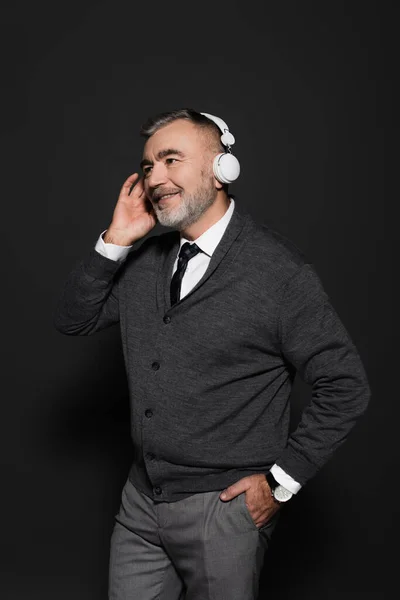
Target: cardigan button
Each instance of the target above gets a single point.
(167, 319)
(148, 413)
(158, 490)
(155, 366)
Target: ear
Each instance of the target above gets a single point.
(218, 185)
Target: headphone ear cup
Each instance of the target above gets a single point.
(226, 167)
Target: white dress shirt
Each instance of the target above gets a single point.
(196, 267)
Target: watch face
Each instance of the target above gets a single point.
(282, 494)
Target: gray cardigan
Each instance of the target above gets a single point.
(210, 378)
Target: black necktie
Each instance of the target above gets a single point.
(186, 253)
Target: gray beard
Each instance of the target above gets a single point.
(190, 208)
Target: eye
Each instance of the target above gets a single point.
(171, 159)
(146, 171)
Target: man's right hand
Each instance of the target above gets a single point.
(133, 216)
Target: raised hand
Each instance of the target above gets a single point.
(133, 215)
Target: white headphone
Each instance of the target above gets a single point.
(226, 167)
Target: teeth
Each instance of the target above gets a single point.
(168, 195)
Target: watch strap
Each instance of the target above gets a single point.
(272, 482)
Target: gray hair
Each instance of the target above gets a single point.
(154, 123)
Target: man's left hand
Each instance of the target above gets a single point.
(259, 500)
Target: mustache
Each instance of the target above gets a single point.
(158, 193)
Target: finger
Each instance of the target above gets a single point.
(126, 187)
(232, 491)
(237, 488)
(139, 188)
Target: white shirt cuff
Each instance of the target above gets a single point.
(112, 251)
(284, 479)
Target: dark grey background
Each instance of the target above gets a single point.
(306, 90)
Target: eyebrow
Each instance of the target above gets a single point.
(162, 154)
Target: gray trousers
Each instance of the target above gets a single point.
(198, 548)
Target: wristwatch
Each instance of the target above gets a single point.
(279, 493)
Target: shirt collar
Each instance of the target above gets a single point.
(209, 240)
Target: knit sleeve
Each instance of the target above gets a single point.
(89, 297)
(314, 340)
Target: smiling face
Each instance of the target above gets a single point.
(177, 160)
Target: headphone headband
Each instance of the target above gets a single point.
(225, 166)
(227, 138)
